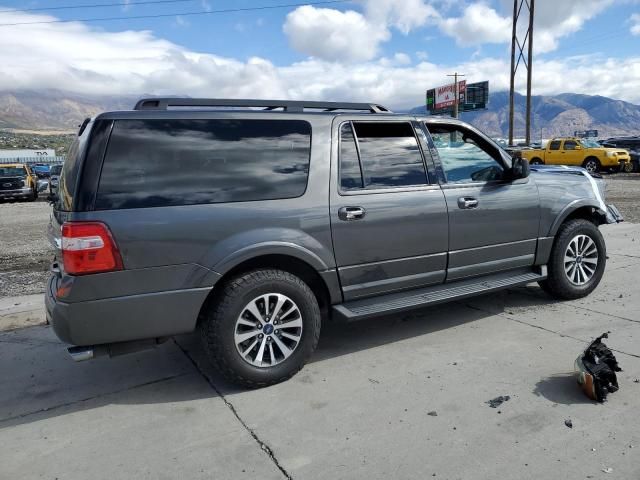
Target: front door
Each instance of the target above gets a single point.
(389, 223)
(493, 222)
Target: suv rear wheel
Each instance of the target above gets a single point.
(577, 262)
(262, 327)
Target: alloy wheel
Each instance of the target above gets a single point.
(581, 260)
(268, 330)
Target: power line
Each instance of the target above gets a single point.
(181, 14)
(94, 5)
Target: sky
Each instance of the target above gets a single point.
(383, 51)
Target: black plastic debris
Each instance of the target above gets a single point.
(597, 368)
(496, 402)
(568, 423)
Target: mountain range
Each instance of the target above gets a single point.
(553, 115)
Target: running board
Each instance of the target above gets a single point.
(422, 297)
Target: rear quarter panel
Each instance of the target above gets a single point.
(215, 237)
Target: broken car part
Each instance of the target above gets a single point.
(597, 368)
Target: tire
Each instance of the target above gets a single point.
(591, 165)
(227, 318)
(628, 167)
(558, 283)
(536, 161)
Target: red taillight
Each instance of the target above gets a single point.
(88, 247)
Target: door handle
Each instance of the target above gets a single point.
(351, 213)
(467, 202)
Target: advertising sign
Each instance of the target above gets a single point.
(446, 95)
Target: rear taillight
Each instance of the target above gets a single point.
(88, 247)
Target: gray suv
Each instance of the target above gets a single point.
(253, 222)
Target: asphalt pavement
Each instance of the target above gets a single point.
(402, 397)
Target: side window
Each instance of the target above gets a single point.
(570, 144)
(153, 163)
(555, 145)
(389, 155)
(350, 173)
(464, 157)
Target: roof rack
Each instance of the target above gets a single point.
(286, 105)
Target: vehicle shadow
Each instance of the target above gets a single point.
(44, 383)
(344, 338)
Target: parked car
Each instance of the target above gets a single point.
(41, 170)
(53, 180)
(17, 182)
(256, 227)
(579, 152)
(631, 144)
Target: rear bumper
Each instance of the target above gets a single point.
(126, 318)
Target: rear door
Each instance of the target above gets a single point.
(493, 222)
(388, 220)
(553, 155)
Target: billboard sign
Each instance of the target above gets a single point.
(473, 96)
(446, 95)
(585, 133)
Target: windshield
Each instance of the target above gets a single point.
(590, 144)
(56, 169)
(13, 172)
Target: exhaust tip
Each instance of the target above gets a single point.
(80, 354)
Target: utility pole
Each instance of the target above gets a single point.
(527, 60)
(456, 92)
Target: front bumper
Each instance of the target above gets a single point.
(613, 214)
(125, 318)
(20, 192)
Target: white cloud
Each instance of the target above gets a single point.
(333, 35)
(83, 59)
(556, 19)
(478, 24)
(635, 27)
(181, 21)
(405, 15)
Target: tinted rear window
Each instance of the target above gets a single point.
(152, 163)
(70, 170)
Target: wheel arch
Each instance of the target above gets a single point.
(323, 283)
(579, 209)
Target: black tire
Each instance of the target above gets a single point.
(536, 161)
(557, 283)
(591, 164)
(217, 327)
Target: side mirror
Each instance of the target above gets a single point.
(519, 168)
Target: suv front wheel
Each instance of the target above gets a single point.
(261, 328)
(577, 262)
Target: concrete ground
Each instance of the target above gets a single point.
(402, 397)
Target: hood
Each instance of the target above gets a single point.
(571, 175)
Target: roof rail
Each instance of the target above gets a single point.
(286, 105)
